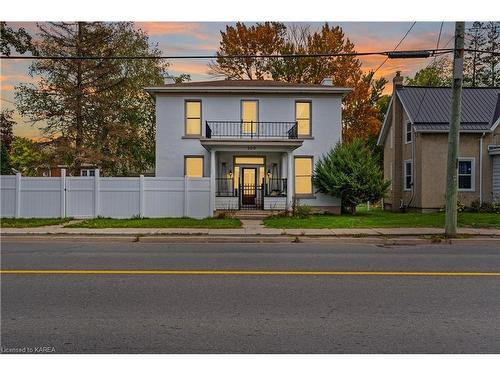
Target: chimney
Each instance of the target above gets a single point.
(169, 80)
(398, 79)
(327, 81)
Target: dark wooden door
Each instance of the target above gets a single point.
(249, 186)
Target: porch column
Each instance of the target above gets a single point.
(289, 180)
(212, 182)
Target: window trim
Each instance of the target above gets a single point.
(310, 118)
(202, 157)
(192, 135)
(87, 170)
(472, 174)
(408, 132)
(303, 195)
(405, 162)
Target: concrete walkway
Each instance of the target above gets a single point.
(250, 228)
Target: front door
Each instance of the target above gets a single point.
(249, 186)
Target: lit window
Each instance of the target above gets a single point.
(408, 132)
(303, 117)
(194, 166)
(193, 117)
(465, 180)
(248, 160)
(249, 115)
(303, 175)
(408, 175)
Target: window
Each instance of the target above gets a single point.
(303, 175)
(303, 117)
(408, 132)
(248, 160)
(466, 174)
(193, 117)
(408, 175)
(249, 115)
(193, 166)
(87, 172)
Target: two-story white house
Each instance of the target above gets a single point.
(257, 141)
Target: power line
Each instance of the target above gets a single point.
(395, 48)
(173, 57)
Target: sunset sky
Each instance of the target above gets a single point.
(203, 38)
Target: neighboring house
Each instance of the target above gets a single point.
(415, 140)
(86, 170)
(257, 140)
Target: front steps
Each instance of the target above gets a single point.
(252, 214)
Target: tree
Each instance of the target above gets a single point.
(474, 64)
(360, 115)
(6, 124)
(25, 156)
(19, 40)
(349, 171)
(98, 105)
(438, 73)
(491, 72)
(263, 38)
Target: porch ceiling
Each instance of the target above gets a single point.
(250, 145)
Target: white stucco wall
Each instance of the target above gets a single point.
(171, 147)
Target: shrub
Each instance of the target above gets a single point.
(302, 211)
(350, 171)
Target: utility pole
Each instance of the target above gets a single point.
(453, 138)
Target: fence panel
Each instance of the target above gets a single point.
(8, 196)
(80, 197)
(117, 197)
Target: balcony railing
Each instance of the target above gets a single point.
(250, 130)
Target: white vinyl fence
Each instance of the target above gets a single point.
(117, 197)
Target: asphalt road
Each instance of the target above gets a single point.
(237, 313)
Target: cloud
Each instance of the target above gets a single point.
(189, 68)
(174, 28)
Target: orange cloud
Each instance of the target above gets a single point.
(189, 68)
(171, 28)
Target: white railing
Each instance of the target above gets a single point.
(117, 197)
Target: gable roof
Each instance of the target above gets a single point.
(246, 85)
(428, 109)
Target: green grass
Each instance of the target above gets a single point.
(377, 218)
(30, 222)
(167, 222)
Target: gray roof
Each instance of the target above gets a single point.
(429, 107)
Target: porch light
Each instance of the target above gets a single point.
(268, 173)
(230, 174)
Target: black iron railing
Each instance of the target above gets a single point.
(275, 187)
(224, 187)
(250, 130)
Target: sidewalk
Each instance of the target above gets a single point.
(251, 228)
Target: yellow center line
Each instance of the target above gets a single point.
(243, 272)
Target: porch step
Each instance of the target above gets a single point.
(252, 214)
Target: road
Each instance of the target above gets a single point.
(241, 313)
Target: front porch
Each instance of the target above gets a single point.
(251, 180)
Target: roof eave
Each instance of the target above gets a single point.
(246, 89)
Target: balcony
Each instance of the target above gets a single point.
(249, 130)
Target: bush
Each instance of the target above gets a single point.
(302, 211)
(350, 171)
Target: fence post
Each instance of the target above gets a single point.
(18, 195)
(96, 193)
(63, 192)
(141, 195)
(186, 196)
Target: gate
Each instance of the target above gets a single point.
(251, 197)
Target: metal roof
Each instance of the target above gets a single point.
(431, 105)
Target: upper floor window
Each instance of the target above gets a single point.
(193, 117)
(303, 175)
(87, 172)
(193, 166)
(408, 172)
(249, 115)
(408, 132)
(303, 117)
(466, 174)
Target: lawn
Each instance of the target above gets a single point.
(30, 222)
(377, 218)
(167, 222)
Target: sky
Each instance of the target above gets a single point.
(202, 38)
